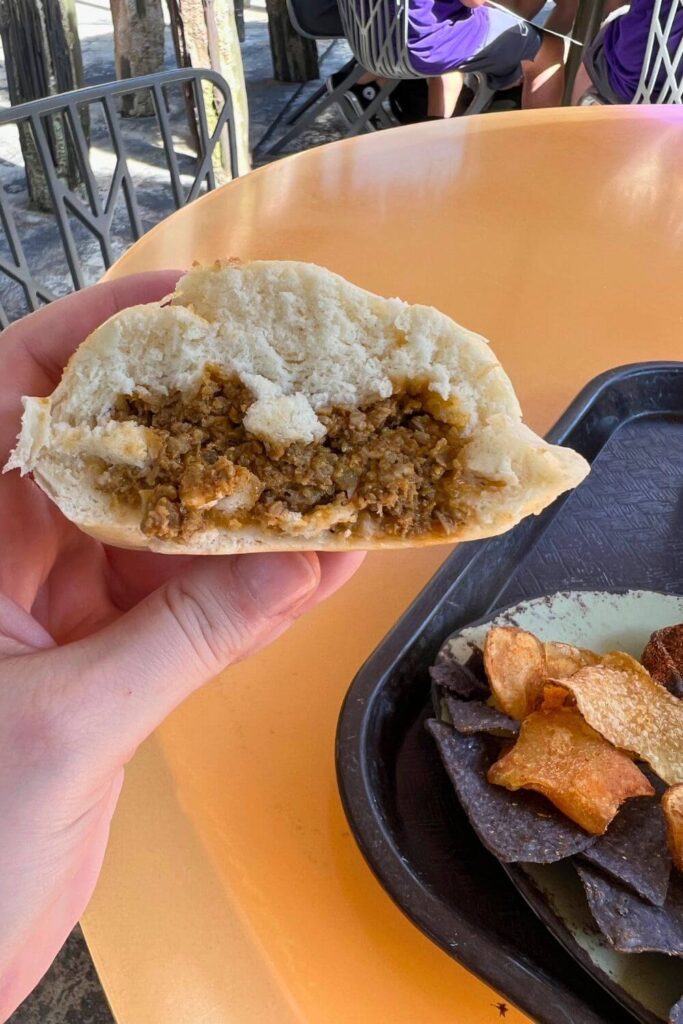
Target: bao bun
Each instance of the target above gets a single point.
(303, 340)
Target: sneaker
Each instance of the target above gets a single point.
(408, 101)
(356, 99)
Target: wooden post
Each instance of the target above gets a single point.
(587, 22)
(295, 59)
(205, 35)
(43, 57)
(239, 20)
(138, 48)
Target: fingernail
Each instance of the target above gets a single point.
(277, 582)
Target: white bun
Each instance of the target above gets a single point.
(302, 339)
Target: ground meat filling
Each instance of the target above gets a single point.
(391, 461)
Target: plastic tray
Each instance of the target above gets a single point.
(622, 528)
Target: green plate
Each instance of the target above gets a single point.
(648, 984)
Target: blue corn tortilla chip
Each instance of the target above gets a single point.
(472, 716)
(520, 826)
(634, 850)
(468, 682)
(676, 1014)
(630, 924)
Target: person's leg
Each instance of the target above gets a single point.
(594, 72)
(368, 77)
(582, 83)
(527, 9)
(443, 94)
(561, 18)
(544, 76)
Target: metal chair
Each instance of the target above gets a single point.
(85, 212)
(322, 21)
(661, 79)
(377, 32)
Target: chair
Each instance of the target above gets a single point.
(321, 20)
(130, 153)
(377, 32)
(657, 62)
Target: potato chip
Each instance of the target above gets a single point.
(515, 665)
(559, 755)
(555, 696)
(672, 805)
(623, 662)
(633, 712)
(564, 660)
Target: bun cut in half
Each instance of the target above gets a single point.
(273, 406)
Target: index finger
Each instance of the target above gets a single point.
(34, 350)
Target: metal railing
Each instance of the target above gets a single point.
(44, 121)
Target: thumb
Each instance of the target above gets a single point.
(130, 675)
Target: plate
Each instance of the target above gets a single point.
(424, 839)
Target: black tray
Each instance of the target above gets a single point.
(622, 528)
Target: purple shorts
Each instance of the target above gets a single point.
(596, 65)
(447, 36)
(510, 41)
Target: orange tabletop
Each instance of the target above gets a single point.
(233, 891)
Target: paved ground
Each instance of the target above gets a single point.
(38, 233)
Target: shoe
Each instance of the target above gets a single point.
(508, 99)
(408, 101)
(356, 99)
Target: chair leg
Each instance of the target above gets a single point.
(310, 102)
(374, 109)
(483, 93)
(309, 112)
(286, 117)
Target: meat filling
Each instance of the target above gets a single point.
(391, 461)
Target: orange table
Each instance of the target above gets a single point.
(232, 890)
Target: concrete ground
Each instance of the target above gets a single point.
(38, 232)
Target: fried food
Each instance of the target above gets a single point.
(630, 924)
(559, 755)
(663, 658)
(473, 716)
(634, 851)
(634, 713)
(515, 665)
(672, 805)
(563, 660)
(520, 828)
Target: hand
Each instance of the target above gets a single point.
(97, 646)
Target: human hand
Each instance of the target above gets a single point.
(97, 646)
